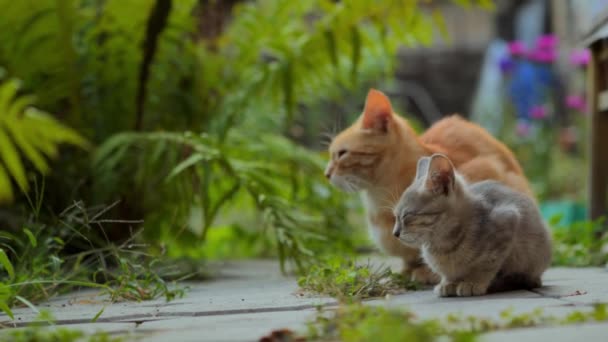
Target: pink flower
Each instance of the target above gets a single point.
(576, 102)
(538, 112)
(516, 48)
(546, 42)
(542, 56)
(522, 129)
(580, 57)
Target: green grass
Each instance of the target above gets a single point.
(54, 256)
(52, 333)
(347, 281)
(357, 322)
(580, 244)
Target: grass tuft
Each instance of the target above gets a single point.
(347, 281)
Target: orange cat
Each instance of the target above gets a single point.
(378, 155)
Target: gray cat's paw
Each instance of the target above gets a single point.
(470, 289)
(445, 290)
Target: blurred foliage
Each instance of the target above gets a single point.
(53, 333)
(583, 243)
(358, 322)
(545, 115)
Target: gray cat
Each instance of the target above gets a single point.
(479, 238)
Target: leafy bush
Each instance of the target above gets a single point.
(272, 173)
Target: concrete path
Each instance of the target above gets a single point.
(248, 299)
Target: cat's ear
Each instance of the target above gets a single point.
(377, 112)
(440, 177)
(422, 167)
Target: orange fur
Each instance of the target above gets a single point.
(378, 155)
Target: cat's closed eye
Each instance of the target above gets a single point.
(342, 153)
(421, 219)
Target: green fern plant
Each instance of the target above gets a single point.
(269, 184)
(27, 136)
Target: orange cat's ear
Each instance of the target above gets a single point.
(440, 177)
(378, 111)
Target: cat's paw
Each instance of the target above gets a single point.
(424, 275)
(445, 289)
(466, 289)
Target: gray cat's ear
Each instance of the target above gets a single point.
(423, 166)
(440, 177)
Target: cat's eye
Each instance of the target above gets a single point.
(341, 153)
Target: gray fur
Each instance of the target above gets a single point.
(477, 237)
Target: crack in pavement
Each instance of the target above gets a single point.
(137, 318)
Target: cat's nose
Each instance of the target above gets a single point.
(328, 170)
(397, 230)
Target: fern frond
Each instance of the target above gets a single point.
(27, 135)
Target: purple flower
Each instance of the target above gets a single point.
(506, 65)
(522, 129)
(516, 48)
(546, 42)
(538, 112)
(576, 102)
(580, 57)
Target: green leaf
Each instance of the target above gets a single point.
(94, 319)
(186, 163)
(6, 263)
(26, 146)
(6, 189)
(31, 237)
(28, 304)
(7, 310)
(441, 25)
(10, 156)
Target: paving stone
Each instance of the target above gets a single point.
(223, 328)
(576, 285)
(248, 299)
(427, 305)
(81, 307)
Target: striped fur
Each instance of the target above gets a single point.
(478, 238)
(377, 155)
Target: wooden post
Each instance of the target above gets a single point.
(598, 141)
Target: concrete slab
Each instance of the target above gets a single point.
(427, 305)
(248, 299)
(576, 285)
(224, 328)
